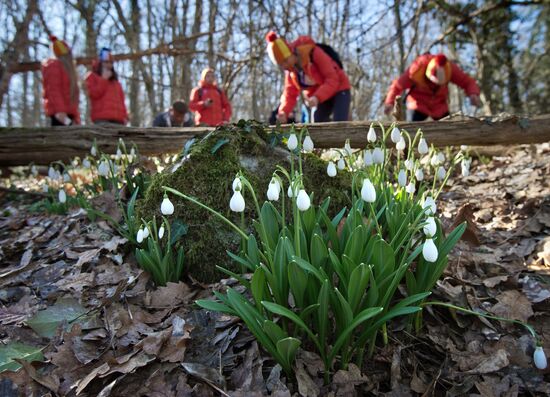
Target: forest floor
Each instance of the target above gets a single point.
(131, 339)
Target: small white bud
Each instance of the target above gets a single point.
(463, 148)
(395, 135)
(434, 161)
(402, 178)
(237, 202)
(133, 152)
(411, 188)
(103, 168)
(429, 250)
(66, 178)
(289, 192)
(540, 358)
(347, 148)
(34, 170)
(139, 236)
(367, 159)
(51, 173)
(465, 166)
(303, 201)
(378, 156)
(441, 173)
(400, 145)
(145, 232)
(368, 193)
(409, 164)
(45, 188)
(93, 151)
(118, 155)
(292, 142)
(429, 203)
(273, 190)
(237, 185)
(423, 146)
(419, 174)
(62, 196)
(331, 169)
(161, 232)
(308, 144)
(86, 163)
(430, 228)
(371, 135)
(441, 157)
(341, 164)
(166, 207)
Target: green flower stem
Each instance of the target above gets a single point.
(385, 334)
(220, 216)
(451, 168)
(373, 212)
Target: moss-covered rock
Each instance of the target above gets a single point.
(207, 173)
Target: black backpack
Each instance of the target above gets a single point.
(201, 90)
(331, 52)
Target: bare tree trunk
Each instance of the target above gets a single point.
(212, 6)
(400, 35)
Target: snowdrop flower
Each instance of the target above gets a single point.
(118, 155)
(34, 170)
(402, 178)
(86, 163)
(66, 177)
(419, 174)
(103, 168)
(441, 173)
(395, 135)
(237, 202)
(93, 151)
(145, 232)
(540, 358)
(430, 228)
(463, 147)
(429, 203)
(303, 201)
(423, 146)
(331, 169)
(367, 159)
(51, 173)
(400, 145)
(368, 193)
(434, 161)
(429, 250)
(133, 152)
(341, 164)
(292, 142)
(441, 157)
(161, 232)
(465, 166)
(237, 185)
(378, 156)
(308, 144)
(166, 207)
(62, 196)
(371, 135)
(45, 188)
(273, 190)
(347, 148)
(139, 236)
(409, 164)
(289, 192)
(410, 188)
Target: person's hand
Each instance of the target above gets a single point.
(106, 73)
(388, 108)
(63, 118)
(312, 101)
(282, 118)
(208, 102)
(475, 101)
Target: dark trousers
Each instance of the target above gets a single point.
(415, 115)
(338, 106)
(57, 123)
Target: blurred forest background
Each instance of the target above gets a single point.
(505, 45)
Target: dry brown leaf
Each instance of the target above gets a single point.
(492, 282)
(492, 363)
(472, 232)
(512, 304)
(306, 386)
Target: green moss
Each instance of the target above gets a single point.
(208, 177)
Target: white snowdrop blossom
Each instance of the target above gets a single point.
(400, 145)
(441, 173)
(341, 164)
(93, 151)
(402, 178)
(166, 207)
(429, 203)
(139, 236)
(237, 185)
(86, 163)
(52, 173)
(45, 188)
(273, 190)
(66, 178)
(434, 161)
(34, 170)
(419, 174)
(103, 168)
(395, 135)
(62, 196)
(430, 228)
(371, 135)
(347, 148)
(289, 192)
(423, 146)
(378, 156)
(409, 164)
(463, 147)
(441, 157)
(161, 232)
(465, 167)
(367, 158)
(308, 144)
(118, 155)
(292, 142)
(145, 232)
(133, 152)
(368, 193)
(236, 204)
(331, 169)
(429, 250)
(411, 188)
(303, 201)
(540, 358)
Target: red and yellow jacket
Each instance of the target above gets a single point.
(425, 96)
(316, 73)
(215, 114)
(106, 99)
(57, 90)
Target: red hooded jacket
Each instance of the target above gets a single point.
(215, 114)
(425, 96)
(57, 90)
(322, 75)
(106, 99)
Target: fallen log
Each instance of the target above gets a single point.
(21, 146)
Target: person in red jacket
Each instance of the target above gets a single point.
(209, 102)
(427, 80)
(312, 73)
(105, 91)
(60, 85)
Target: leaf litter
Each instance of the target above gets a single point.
(73, 300)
